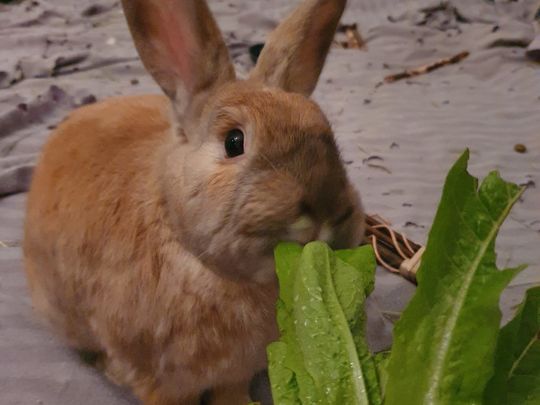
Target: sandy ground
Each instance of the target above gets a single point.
(398, 139)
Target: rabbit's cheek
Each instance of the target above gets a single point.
(349, 234)
(264, 273)
(257, 268)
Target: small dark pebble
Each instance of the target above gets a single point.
(255, 52)
(394, 145)
(528, 184)
(93, 10)
(23, 107)
(56, 93)
(367, 101)
(372, 158)
(445, 102)
(134, 82)
(406, 205)
(410, 224)
(89, 357)
(495, 28)
(89, 99)
(348, 162)
(520, 148)
(386, 66)
(51, 127)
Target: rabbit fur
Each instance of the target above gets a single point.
(145, 242)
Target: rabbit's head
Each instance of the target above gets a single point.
(253, 162)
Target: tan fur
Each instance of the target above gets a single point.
(294, 55)
(144, 242)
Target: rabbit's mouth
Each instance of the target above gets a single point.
(344, 232)
(305, 230)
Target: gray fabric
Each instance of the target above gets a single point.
(398, 139)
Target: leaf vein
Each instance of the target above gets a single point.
(450, 325)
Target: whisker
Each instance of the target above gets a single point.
(204, 252)
(269, 162)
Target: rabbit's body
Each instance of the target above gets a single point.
(98, 234)
(152, 220)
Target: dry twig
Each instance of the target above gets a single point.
(426, 68)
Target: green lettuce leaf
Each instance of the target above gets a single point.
(381, 360)
(352, 301)
(444, 342)
(317, 359)
(517, 357)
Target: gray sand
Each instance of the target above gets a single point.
(56, 55)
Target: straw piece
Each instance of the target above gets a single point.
(9, 244)
(392, 249)
(380, 260)
(394, 239)
(354, 39)
(410, 266)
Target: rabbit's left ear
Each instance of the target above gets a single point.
(181, 46)
(295, 52)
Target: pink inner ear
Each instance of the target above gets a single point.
(179, 45)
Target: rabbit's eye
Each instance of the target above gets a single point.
(234, 143)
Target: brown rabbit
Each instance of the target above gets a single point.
(152, 220)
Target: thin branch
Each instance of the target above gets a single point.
(426, 68)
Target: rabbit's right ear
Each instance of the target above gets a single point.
(181, 46)
(295, 52)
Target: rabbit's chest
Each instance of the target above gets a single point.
(223, 338)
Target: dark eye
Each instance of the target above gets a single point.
(234, 143)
